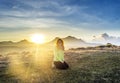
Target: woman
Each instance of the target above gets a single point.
(59, 61)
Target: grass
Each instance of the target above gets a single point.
(85, 67)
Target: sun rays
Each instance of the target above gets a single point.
(38, 38)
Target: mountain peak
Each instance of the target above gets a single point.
(105, 35)
(23, 41)
(6, 42)
(70, 37)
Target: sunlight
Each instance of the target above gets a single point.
(38, 38)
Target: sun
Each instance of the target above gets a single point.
(38, 38)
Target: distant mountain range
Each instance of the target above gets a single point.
(15, 43)
(69, 41)
(73, 42)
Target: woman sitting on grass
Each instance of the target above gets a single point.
(59, 62)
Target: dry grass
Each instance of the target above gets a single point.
(24, 65)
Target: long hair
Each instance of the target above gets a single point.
(58, 45)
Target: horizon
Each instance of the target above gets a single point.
(53, 38)
(106, 38)
(81, 19)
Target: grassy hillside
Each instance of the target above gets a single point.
(86, 66)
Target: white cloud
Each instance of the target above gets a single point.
(31, 22)
(105, 38)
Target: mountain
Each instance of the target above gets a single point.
(25, 42)
(71, 39)
(72, 42)
(68, 39)
(69, 42)
(6, 42)
(105, 38)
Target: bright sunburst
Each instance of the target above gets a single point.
(37, 38)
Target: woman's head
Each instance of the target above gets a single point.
(60, 44)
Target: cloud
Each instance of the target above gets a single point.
(21, 24)
(42, 9)
(40, 14)
(105, 38)
(65, 16)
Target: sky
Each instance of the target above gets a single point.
(58, 18)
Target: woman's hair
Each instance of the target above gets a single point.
(58, 45)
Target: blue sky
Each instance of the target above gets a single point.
(80, 18)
